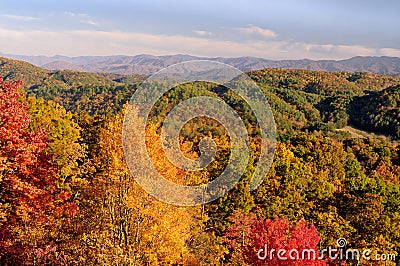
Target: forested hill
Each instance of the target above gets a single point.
(76, 91)
(378, 110)
(68, 198)
(302, 100)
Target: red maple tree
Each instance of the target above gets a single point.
(274, 242)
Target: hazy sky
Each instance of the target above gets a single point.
(280, 29)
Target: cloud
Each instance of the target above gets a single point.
(86, 42)
(256, 30)
(19, 18)
(390, 52)
(344, 50)
(203, 33)
(89, 22)
(245, 34)
(81, 17)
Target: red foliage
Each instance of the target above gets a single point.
(49, 256)
(261, 239)
(27, 176)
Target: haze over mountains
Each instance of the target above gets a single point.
(148, 64)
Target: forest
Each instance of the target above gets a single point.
(68, 198)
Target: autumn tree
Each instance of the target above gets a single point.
(64, 132)
(31, 205)
(120, 223)
(256, 237)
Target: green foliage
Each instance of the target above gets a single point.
(76, 91)
(378, 111)
(301, 100)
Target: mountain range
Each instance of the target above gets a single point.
(148, 64)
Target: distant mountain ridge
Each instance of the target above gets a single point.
(148, 64)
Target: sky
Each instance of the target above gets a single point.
(279, 29)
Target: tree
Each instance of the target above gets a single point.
(256, 237)
(31, 205)
(63, 131)
(127, 225)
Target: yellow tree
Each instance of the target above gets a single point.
(126, 225)
(63, 131)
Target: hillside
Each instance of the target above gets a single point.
(302, 100)
(148, 64)
(379, 111)
(68, 197)
(76, 91)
